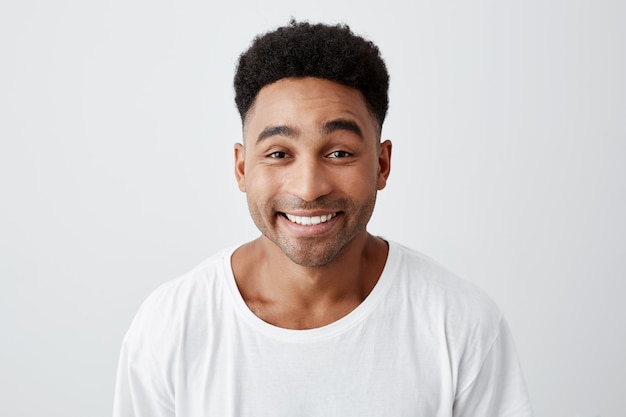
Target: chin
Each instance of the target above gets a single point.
(311, 255)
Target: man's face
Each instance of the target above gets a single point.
(311, 167)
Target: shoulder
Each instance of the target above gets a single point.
(437, 287)
(174, 294)
(456, 310)
(177, 304)
(459, 315)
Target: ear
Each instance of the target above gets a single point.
(384, 164)
(240, 154)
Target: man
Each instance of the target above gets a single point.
(317, 317)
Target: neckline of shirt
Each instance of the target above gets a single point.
(355, 316)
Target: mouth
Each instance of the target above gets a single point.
(309, 220)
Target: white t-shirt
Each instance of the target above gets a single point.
(424, 343)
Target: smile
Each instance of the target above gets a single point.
(309, 221)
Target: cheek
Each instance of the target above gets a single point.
(260, 187)
(361, 181)
(266, 180)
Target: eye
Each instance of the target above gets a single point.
(339, 154)
(277, 155)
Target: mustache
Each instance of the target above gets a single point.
(322, 204)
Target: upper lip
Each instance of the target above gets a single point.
(311, 213)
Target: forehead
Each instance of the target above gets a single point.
(307, 102)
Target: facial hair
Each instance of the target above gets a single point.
(314, 251)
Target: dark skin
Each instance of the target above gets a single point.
(311, 168)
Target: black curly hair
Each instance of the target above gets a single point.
(301, 49)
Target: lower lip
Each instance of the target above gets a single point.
(312, 230)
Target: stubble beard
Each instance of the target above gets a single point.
(314, 251)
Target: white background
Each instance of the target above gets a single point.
(117, 125)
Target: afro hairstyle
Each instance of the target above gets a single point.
(301, 49)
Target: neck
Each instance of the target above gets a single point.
(295, 296)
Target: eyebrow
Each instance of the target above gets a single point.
(327, 128)
(342, 124)
(281, 130)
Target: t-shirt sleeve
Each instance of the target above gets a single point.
(498, 389)
(137, 393)
(144, 376)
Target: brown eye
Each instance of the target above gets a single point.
(339, 154)
(277, 155)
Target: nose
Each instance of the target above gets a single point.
(309, 179)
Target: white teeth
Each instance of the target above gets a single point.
(308, 221)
